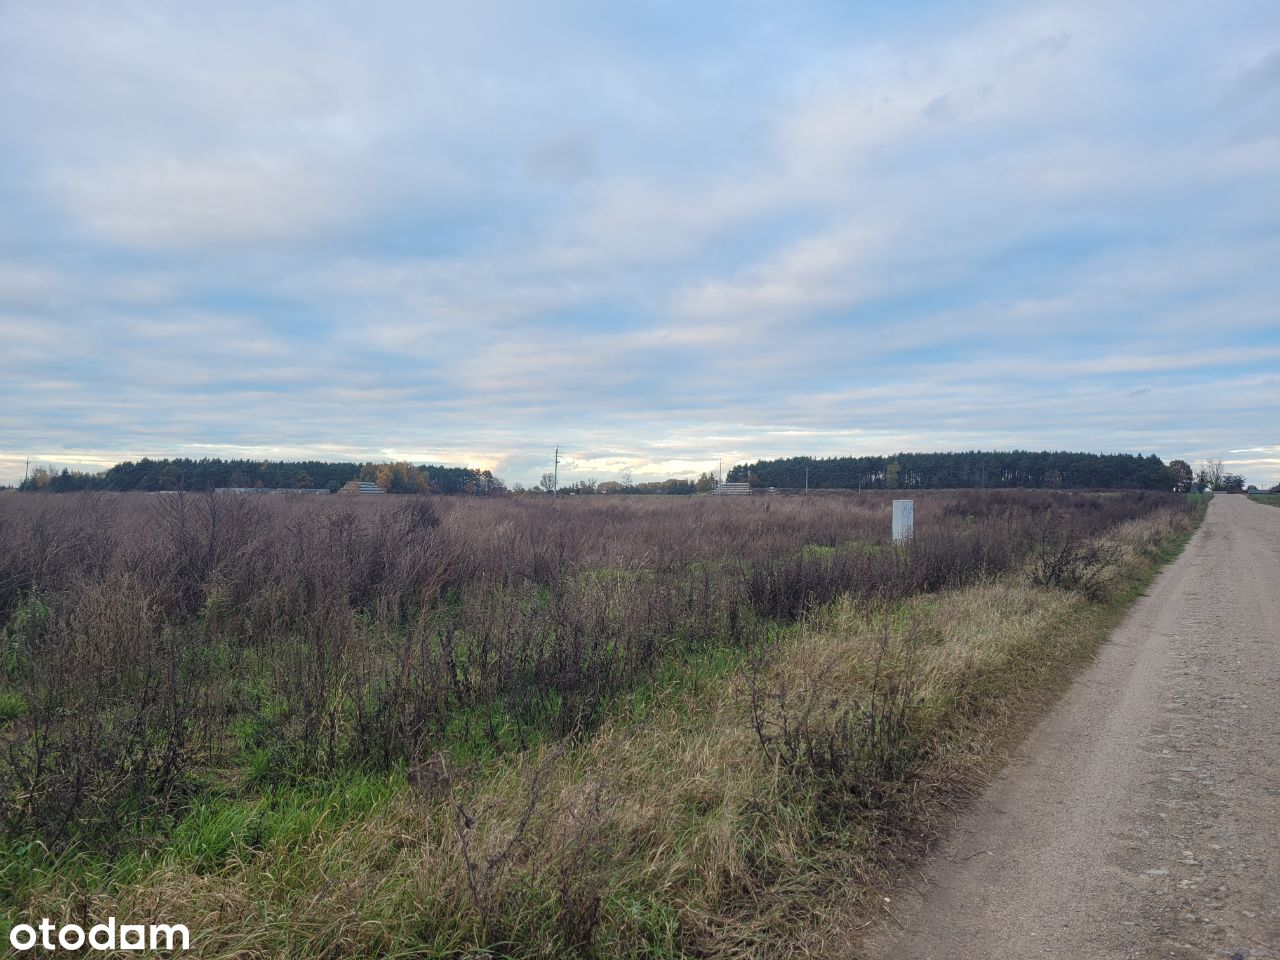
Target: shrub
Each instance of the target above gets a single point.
(149, 640)
(858, 752)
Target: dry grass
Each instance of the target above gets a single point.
(151, 641)
(671, 835)
(311, 730)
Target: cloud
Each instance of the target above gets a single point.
(1261, 78)
(26, 284)
(565, 160)
(169, 202)
(474, 235)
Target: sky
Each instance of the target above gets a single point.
(656, 234)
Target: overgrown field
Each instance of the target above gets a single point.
(520, 727)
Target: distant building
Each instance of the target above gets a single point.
(359, 487)
(732, 489)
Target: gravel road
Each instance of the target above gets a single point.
(1142, 816)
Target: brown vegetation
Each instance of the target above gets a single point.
(188, 679)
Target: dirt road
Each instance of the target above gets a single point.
(1142, 817)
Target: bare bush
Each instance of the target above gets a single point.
(1070, 560)
(147, 638)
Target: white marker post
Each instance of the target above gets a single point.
(903, 520)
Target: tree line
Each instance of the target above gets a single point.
(923, 471)
(211, 473)
(903, 471)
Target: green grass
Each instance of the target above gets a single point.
(1270, 499)
(220, 829)
(218, 832)
(12, 706)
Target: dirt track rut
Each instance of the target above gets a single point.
(1141, 818)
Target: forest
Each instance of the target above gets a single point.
(210, 473)
(903, 471)
(973, 469)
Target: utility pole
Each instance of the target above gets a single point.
(555, 475)
(26, 470)
(806, 479)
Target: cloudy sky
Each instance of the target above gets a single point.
(657, 234)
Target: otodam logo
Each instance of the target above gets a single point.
(101, 936)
